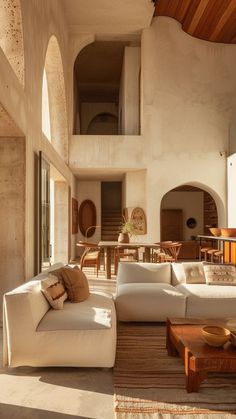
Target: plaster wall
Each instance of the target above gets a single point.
(192, 205)
(231, 166)
(189, 93)
(40, 21)
(12, 214)
(61, 217)
(129, 92)
(90, 190)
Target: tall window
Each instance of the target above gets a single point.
(46, 125)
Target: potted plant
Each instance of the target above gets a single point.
(127, 230)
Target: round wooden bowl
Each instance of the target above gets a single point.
(215, 335)
(228, 232)
(233, 337)
(215, 231)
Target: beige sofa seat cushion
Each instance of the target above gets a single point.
(149, 302)
(206, 301)
(143, 272)
(92, 314)
(188, 273)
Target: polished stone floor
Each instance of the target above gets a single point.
(58, 393)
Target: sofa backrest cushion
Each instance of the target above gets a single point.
(220, 274)
(188, 273)
(143, 272)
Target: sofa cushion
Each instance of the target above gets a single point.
(143, 272)
(76, 284)
(54, 291)
(92, 314)
(188, 273)
(220, 274)
(209, 301)
(149, 302)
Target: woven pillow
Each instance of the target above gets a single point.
(54, 291)
(220, 274)
(76, 284)
(194, 273)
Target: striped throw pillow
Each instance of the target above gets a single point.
(220, 274)
(54, 291)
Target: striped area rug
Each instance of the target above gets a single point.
(149, 384)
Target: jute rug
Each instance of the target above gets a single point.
(149, 384)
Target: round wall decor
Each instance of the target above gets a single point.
(87, 218)
(191, 222)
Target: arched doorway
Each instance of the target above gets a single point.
(103, 124)
(187, 211)
(54, 107)
(11, 36)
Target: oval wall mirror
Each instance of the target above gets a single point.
(87, 218)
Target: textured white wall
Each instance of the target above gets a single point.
(40, 21)
(231, 165)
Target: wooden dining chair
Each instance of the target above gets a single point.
(91, 255)
(122, 254)
(169, 252)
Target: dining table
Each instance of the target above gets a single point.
(108, 246)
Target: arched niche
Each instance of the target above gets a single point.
(184, 204)
(56, 98)
(103, 124)
(11, 36)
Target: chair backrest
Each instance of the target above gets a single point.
(171, 248)
(86, 244)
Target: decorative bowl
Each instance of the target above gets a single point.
(228, 232)
(215, 335)
(215, 231)
(233, 337)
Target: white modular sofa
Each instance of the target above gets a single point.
(82, 334)
(153, 292)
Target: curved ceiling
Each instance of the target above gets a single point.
(211, 20)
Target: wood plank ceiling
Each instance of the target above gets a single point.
(211, 20)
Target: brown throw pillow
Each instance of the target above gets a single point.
(76, 284)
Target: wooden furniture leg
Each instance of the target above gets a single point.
(193, 378)
(108, 262)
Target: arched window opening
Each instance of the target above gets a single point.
(106, 80)
(46, 124)
(54, 79)
(11, 36)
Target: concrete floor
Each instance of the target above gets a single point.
(57, 393)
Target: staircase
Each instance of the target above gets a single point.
(111, 222)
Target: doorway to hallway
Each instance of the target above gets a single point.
(111, 205)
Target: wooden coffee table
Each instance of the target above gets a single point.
(185, 338)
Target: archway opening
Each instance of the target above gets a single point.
(103, 124)
(11, 36)
(54, 114)
(187, 211)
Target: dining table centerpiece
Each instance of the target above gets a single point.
(127, 230)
